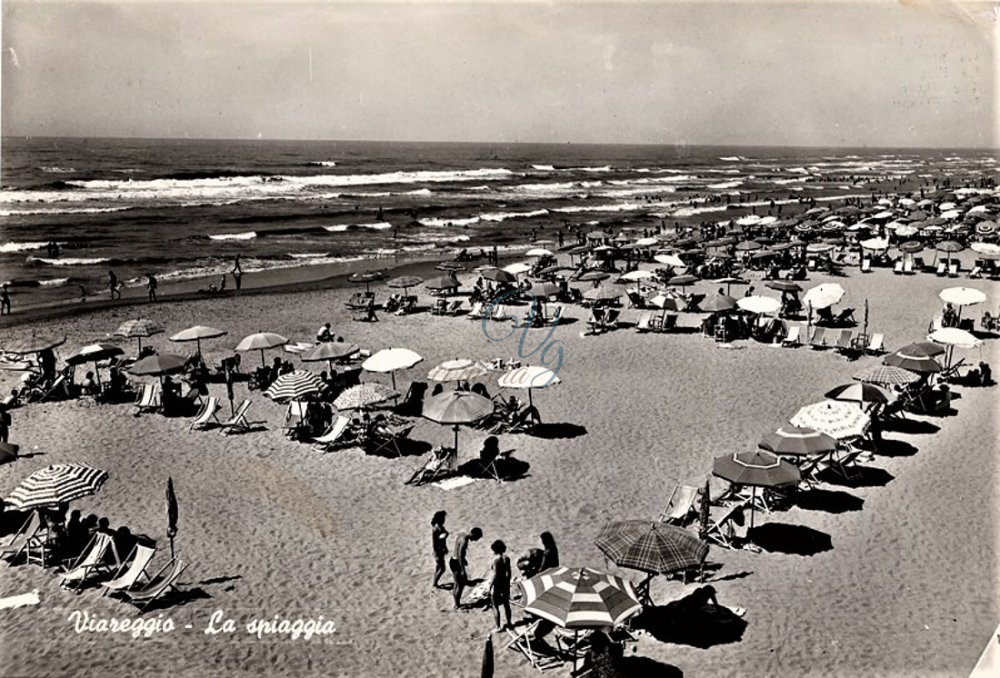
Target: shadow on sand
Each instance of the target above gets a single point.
(507, 469)
(831, 501)
(796, 540)
(562, 430)
(686, 623)
(644, 666)
(912, 426)
(895, 448)
(863, 476)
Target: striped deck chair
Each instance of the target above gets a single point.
(159, 584)
(818, 339)
(92, 561)
(207, 415)
(27, 536)
(131, 571)
(336, 437)
(149, 399)
(681, 509)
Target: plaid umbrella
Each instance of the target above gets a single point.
(159, 364)
(34, 345)
(294, 386)
(887, 375)
(580, 598)
(56, 484)
(798, 441)
(858, 393)
(835, 418)
(364, 395)
(651, 546)
(138, 328)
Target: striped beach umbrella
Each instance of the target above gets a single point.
(651, 546)
(294, 386)
(835, 418)
(797, 441)
(887, 375)
(858, 393)
(580, 598)
(138, 328)
(56, 484)
(364, 395)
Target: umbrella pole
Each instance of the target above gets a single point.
(97, 373)
(262, 362)
(575, 650)
(140, 345)
(530, 404)
(393, 375)
(456, 440)
(753, 504)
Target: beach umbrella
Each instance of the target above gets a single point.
(545, 289)
(8, 452)
(759, 304)
(601, 294)
(529, 377)
(294, 386)
(985, 248)
(443, 282)
(858, 393)
(797, 441)
(887, 375)
(56, 484)
(405, 282)
(328, 351)
(818, 247)
(647, 242)
(580, 598)
(138, 328)
(718, 303)
(759, 468)
(836, 418)
(456, 408)
(33, 345)
(962, 296)
(748, 246)
(875, 244)
(923, 349)
(538, 252)
(650, 546)
(94, 353)
(669, 260)
(517, 268)
(551, 270)
(637, 275)
(921, 364)
(366, 277)
(949, 246)
(499, 275)
(907, 231)
(452, 266)
(171, 514)
(594, 276)
(460, 369)
(261, 341)
(683, 280)
(666, 302)
(730, 281)
(364, 395)
(197, 333)
(823, 296)
(911, 247)
(391, 359)
(953, 336)
(986, 228)
(783, 285)
(158, 365)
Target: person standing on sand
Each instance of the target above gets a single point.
(114, 286)
(439, 544)
(151, 284)
(459, 565)
(237, 273)
(500, 584)
(4, 301)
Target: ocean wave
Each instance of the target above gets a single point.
(53, 282)
(725, 185)
(340, 228)
(322, 163)
(602, 168)
(69, 261)
(61, 210)
(12, 247)
(246, 235)
(436, 222)
(733, 158)
(543, 168)
(309, 255)
(503, 216)
(57, 170)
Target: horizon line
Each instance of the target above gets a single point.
(499, 143)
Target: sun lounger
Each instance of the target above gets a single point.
(159, 584)
(643, 324)
(596, 320)
(92, 561)
(207, 415)
(866, 265)
(908, 267)
(682, 507)
(238, 423)
(476, 312)
(388, 439)
(954, 268)
(726, 526)
(845, 342)
(295, 417)
(818, 339)
(132, 570)
(792, 338)
(668, 323)
(942, 268)
(610, 321)
(149, 399)
(876, 345)
(897, 268)
(29, 535)
(454, 307)
(441, 462)
(338, 436)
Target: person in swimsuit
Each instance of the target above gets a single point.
(500, 584)
(458, 564)
(439, 544)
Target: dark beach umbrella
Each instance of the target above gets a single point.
(911, 247)
(444, 282)
(756, 469)
(683, 280)
(405, 282)
(545, 289)
(797, 441)
(171, 514)
(914, 363)
(328, 351)
(949, 246)
(650, 546)
(158, 365)
(499, 275)
(138, 328)
(748, 246)
(924, 349)
(366, 277)
(718, 303)
(783, 285)
(34, 345)
(449, 266)
(591, 276)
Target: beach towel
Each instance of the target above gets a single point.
(19, 601)
(454, 482)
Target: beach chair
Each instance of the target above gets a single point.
(441, 463)
(643, 324)
(295, 417)
(866, 265)
(41, 394)
(845, 317)
(668, 323)
(897, 268)
(92, 561)
(908, 267)
(937, 323)
(845, 341)
(500, 313)
(149, 399)
(131, 570)
(439, 307)
(596, 320)
(159, 584)
(576, 296)
(476, 312)
(682, 508)
(635, 299)
(610, 321)
(31, 534)
(976, 271)
(206, 415)
(818, 339)
(726, 526)
(454, 307)
(842, 462)
(536, 655)
(942, 269)
(338, 436)
(876, 344)
(388, 439)
(238, 423)
(920, 265)
(954, 268)
(792, 338)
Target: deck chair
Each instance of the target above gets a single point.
(29, 535)
(920, 264)
(942, 268)
(207, 415)
(611, 319)
(866, 265)
(954, 268)
(635, 299)
(976, 272)
(845, 342)
(454, 307)
(669, 323)
(681, 509)
(876, 345)
(413, 401)
(792, 338)
(643, 324)
(238, 423)
(441, 463)
(500, 313)
(92, 561)
(149, 399)
(897, 268)
(845, 317)
(476, 312)
(596, 320)
(818, 339)
(295, 417)
(491, 470)
(843, 462)
(439, 307)
(336, 437)
(389, 438)
(726, 525)
(522, 644)
(158, 585)
(908, 267)
(131, 571)
(937, 323)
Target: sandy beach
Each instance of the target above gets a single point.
(894, 575)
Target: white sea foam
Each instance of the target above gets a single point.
(544, 168)
(725, 185)
(246, 235)
(503, 216)
(61, 210)
(69, 261)
(435, 222)
(12, 247)
(53, 282)
(340, 228)
(324, 163)
(57, 170)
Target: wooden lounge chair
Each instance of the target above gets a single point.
(876, 345)
(908, 267)
(726, 526)
(441, 463)
(792, 338)
(238, 422)
(149, 399)
(92, 561)
(897, 268)
(207, 415)
(159, 584)
(818, 339)
(29, 535)
(942, 269)
(643, 324)
(682, 506)
(131, 571)
(338, 436)
(388, 438)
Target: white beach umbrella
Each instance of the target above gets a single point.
(748, 220)
(962, 296)
(838, 419)
(759, 304)
(823, 296)
(529, 377)
(647, 242)
(460, 369)
(875, 244)
(905, 231)
(637, 275)
(669, 260)
(985, 248)
(391, 359)
(953, 336)
(517, 269)
(538, 252)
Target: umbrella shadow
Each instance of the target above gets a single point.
(684, 622)
(561, 430)
(863, 476)
(911, 426)
(644, 666)
(894, 448)
(830, 501)
(796, 540)
(406, 447)
(507, 469)
(178, 598)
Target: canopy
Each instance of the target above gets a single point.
(921, 364)
(580, 598)
(94, 353)
(651, 546)
(158, 365)
(460, 369)
(759, 304)
(823, 296)
(962, 296)
(56, 484)
(294, 386)
(759, 468)
(835, 418)
(797, 441)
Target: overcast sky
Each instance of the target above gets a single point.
(823, 74)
